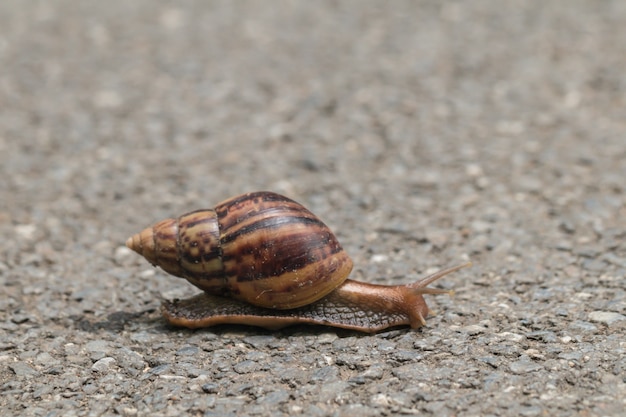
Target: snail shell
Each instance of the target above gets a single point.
(262, 259)
(261, 248)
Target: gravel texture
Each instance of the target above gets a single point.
(424, 133)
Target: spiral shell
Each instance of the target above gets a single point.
(261, 248)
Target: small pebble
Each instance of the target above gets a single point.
(210, 388)
(98, 349)
(473, 329)
(375, 371)
(274, 398)
(612, 258)
(606, 317)
(379, 258)
(473, 170)
(490, 360)
(325, 374)
(543, 335)
(524, 366)
(595, 265)
(571, 356)
(406, 355)
(26, 231)
(23, 369)
(90, 389)
(97, 346)
(142, 337)
(583, 326)
(158, 370)
(330, 392)
(245, 367)
(123, 255)
(380, 400)
(103, 365)
(259, 341)
(187, 351)
(20, 318)
(513, 337)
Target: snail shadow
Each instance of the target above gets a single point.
(118, 321)
(298, 330)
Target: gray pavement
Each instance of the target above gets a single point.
(424, 133)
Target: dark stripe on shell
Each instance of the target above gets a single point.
(289, 252)
(254, 199)
(196, 220)
(238, 210)
(271, 223)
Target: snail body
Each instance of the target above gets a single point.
(262, 259)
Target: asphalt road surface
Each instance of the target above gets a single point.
(424, 133)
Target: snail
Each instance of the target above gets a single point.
(264, 260)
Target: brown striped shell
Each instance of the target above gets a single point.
(261, 248)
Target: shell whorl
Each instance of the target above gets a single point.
(261, 247)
